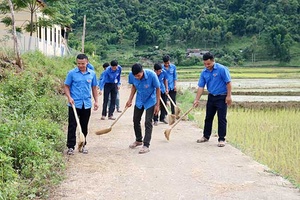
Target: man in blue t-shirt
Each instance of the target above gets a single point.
(110, 82)
(146, 84)
(217, 79)
(162, 77)
(79, 84)
(172, 79)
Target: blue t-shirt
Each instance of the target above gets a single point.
(90, 66)
(110, 76)
(171, 75)
(81, 86)
(146, 88)
(161, 77)
(215, 80)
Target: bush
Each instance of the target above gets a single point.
(31, 134)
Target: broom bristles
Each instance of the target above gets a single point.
(103, 131)
(80, 145)
(177, 111)
(167, 134)
(171, 119)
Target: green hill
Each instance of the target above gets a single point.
(239, 31)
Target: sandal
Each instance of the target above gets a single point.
(84, 150)
(135, 144)
(221, 144)
(144, 149)
(203, 139)
(111, 118)
(70, 151)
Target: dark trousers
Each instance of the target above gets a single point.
(163, 111)
(172, 94)
(109, 89)
(216, 104)
(84, 117)
(137, 116)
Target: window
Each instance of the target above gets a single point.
(58, 37)
(46, 34)
(51, 35)
(40, 32)
(54, 36)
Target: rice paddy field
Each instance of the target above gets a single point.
(263, 121)
(192, 73)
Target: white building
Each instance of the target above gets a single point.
(47, 40)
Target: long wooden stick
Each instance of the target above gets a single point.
(104, 131)
(171, 117)
(81, 135)
(177, 109)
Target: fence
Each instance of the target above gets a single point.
(31, 43)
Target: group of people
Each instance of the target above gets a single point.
(150, 87)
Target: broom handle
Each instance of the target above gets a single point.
(187, 112)
(76, 117)
(171, 100)
(119, 117)
(163, 103)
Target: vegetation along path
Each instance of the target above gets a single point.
(175, 169)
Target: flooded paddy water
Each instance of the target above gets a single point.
(264, 87)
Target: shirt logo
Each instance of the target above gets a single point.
(89, 80)
(215, 74)
(146, 86)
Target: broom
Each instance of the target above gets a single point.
(171, 117)
(177, 109)
(104, 131)
(168, 131)
(80, 135)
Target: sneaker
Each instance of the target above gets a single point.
(70, 151)
(84, 150)
(203, 139)
(119, 111)
(164, 121)
(144, 149)
(111, 118)
(103, 118)
(155, 123)
(135, 144)
(221, 144)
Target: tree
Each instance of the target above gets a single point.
(16, 45)
(279, 41)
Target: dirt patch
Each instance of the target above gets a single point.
(176, 169)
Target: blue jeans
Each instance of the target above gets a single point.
(216, 104)
(137, 116)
